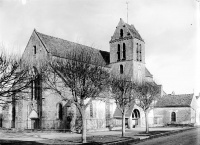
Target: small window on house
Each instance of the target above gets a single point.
(34, 49)
(121, 32)
(124, 51)
(59, 111)
(118, 52)
(173, 117)
(121, 69)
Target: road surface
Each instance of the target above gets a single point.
(190, 137)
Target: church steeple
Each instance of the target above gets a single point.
(127, 51)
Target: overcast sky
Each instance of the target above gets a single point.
(168, 28)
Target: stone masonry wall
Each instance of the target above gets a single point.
(183, 115)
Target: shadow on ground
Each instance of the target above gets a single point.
(18, 142)
(150, 133)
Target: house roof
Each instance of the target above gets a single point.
(183, 100)
(61, 47)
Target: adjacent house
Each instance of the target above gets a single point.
(177, 109)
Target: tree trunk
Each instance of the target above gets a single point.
(13, 112)
(84, 126)
(147, 121)
(73, 119)
(123, 124)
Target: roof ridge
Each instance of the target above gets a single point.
(131, 26)
(69, 41)
(177, 95)
(180, 94)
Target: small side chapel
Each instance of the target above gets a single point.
(46, 110)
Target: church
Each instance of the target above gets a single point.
(44, 109)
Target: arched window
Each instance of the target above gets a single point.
(140, 53)
(91, 111)
(32, 89)
(13, 116)
(59, 111)
(118, 52)
(124, 51)
(37, 87)
(121, 32)
(173, 117)
(121, 69)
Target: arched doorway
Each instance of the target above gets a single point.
(135, 117)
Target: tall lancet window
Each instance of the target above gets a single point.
(121, 32)
(137, 51)
(124, 51)
(118, 52)
(34, 49)
(59, 111)
(140, 52)
(121, 69)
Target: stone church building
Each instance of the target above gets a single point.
(46, 110)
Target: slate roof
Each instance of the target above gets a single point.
(134, 32)
(175, 101)
(61, 47)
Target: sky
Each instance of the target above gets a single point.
(168, 27)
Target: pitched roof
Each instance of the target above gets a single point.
(61, 47)
(183, 100)
(118, 114)
(133, 31)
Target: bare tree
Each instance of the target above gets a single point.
(83, 73)
(148, 92)
(13, 78)
(124, 91)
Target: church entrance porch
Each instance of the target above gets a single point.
(34, 119)
(136, 118)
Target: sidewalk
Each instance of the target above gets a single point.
(104, 136)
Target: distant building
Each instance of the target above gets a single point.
(177, 109)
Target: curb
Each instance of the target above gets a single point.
(126, 142)
(164, 134)
(170, 132)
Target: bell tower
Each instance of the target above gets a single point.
(127, 52)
